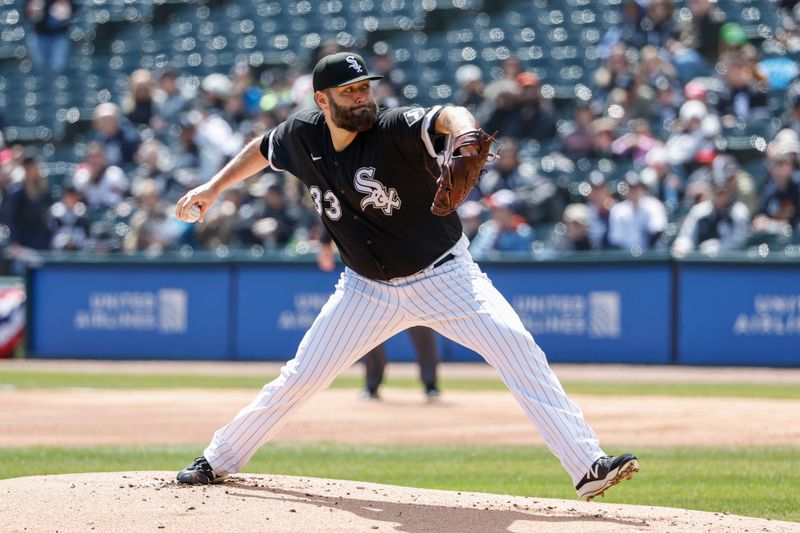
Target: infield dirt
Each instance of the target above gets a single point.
(151, 501)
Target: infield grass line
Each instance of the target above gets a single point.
(53, 380)
(761, 482)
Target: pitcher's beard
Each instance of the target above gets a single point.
(349, 120)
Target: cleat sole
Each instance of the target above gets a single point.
(625, 473)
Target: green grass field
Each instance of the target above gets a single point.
(761, 482)
(27, 379)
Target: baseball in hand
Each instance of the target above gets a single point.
(193, 215)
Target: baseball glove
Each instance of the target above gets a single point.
(461, 172)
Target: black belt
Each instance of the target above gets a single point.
(443, 260)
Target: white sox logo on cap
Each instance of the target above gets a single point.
(339, 69)
(354, 64)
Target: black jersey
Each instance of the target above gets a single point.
(374, 197)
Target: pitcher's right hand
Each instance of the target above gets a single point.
(202, 196)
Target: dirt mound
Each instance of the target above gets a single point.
(152, 501)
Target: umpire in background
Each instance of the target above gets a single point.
(422, 338)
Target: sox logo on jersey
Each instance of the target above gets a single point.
(379, 197)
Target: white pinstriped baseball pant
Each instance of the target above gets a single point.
(457, 300)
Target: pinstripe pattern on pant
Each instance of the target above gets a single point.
(457, 300)
(461, 303)
(358, 316)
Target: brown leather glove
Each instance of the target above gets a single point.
(461, 172)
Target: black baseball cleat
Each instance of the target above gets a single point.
(432, 394)
(605, 473)
(369, 395)
(199, 473)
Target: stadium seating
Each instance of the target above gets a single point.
(427, 40)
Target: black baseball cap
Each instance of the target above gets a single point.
(341, 68)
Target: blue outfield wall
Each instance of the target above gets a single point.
(616, 313)
(604, 311)
(739, 315)
(109, 311)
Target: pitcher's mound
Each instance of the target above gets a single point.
(152, 501)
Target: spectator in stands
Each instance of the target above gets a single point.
(615, 71)
(732, 38)
(636, 144)
(214, 89)
(277, 96)
(725, 166)
(536, 196)
(155, 162)
(655, 65)
(138, 104)
(636, 224)
(117, 135)
(780, 205)
(697, 50)
(577, 141)
(8, 166)
(504, 113)
(715, 225)
(387, 91)
(600, 202)
(787, 142)
(573, 233)
(48, 43)
(69, 224)
(153, 227)
(663, 183)
(535, 117)
(272, 222)
(695, 193)
(695, 130)
(666, 106)
(28, 207)
(788, 31)
(234, 110)
(386, 96)
(101, 184)
(223, 225)
(791, 117)
(186, 154)
(245, 85)
(743, 98)
(511, 67)
(212, 138)
(658, 24)
(696, 90)
(471, 214)
(629, 99)
(170, 102)
(602, 130)
(505, 172)
(629, 32)
(470, 87)
(751, 59)
(505, 231)
(541, 200)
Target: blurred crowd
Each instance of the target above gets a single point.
(643, 150)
